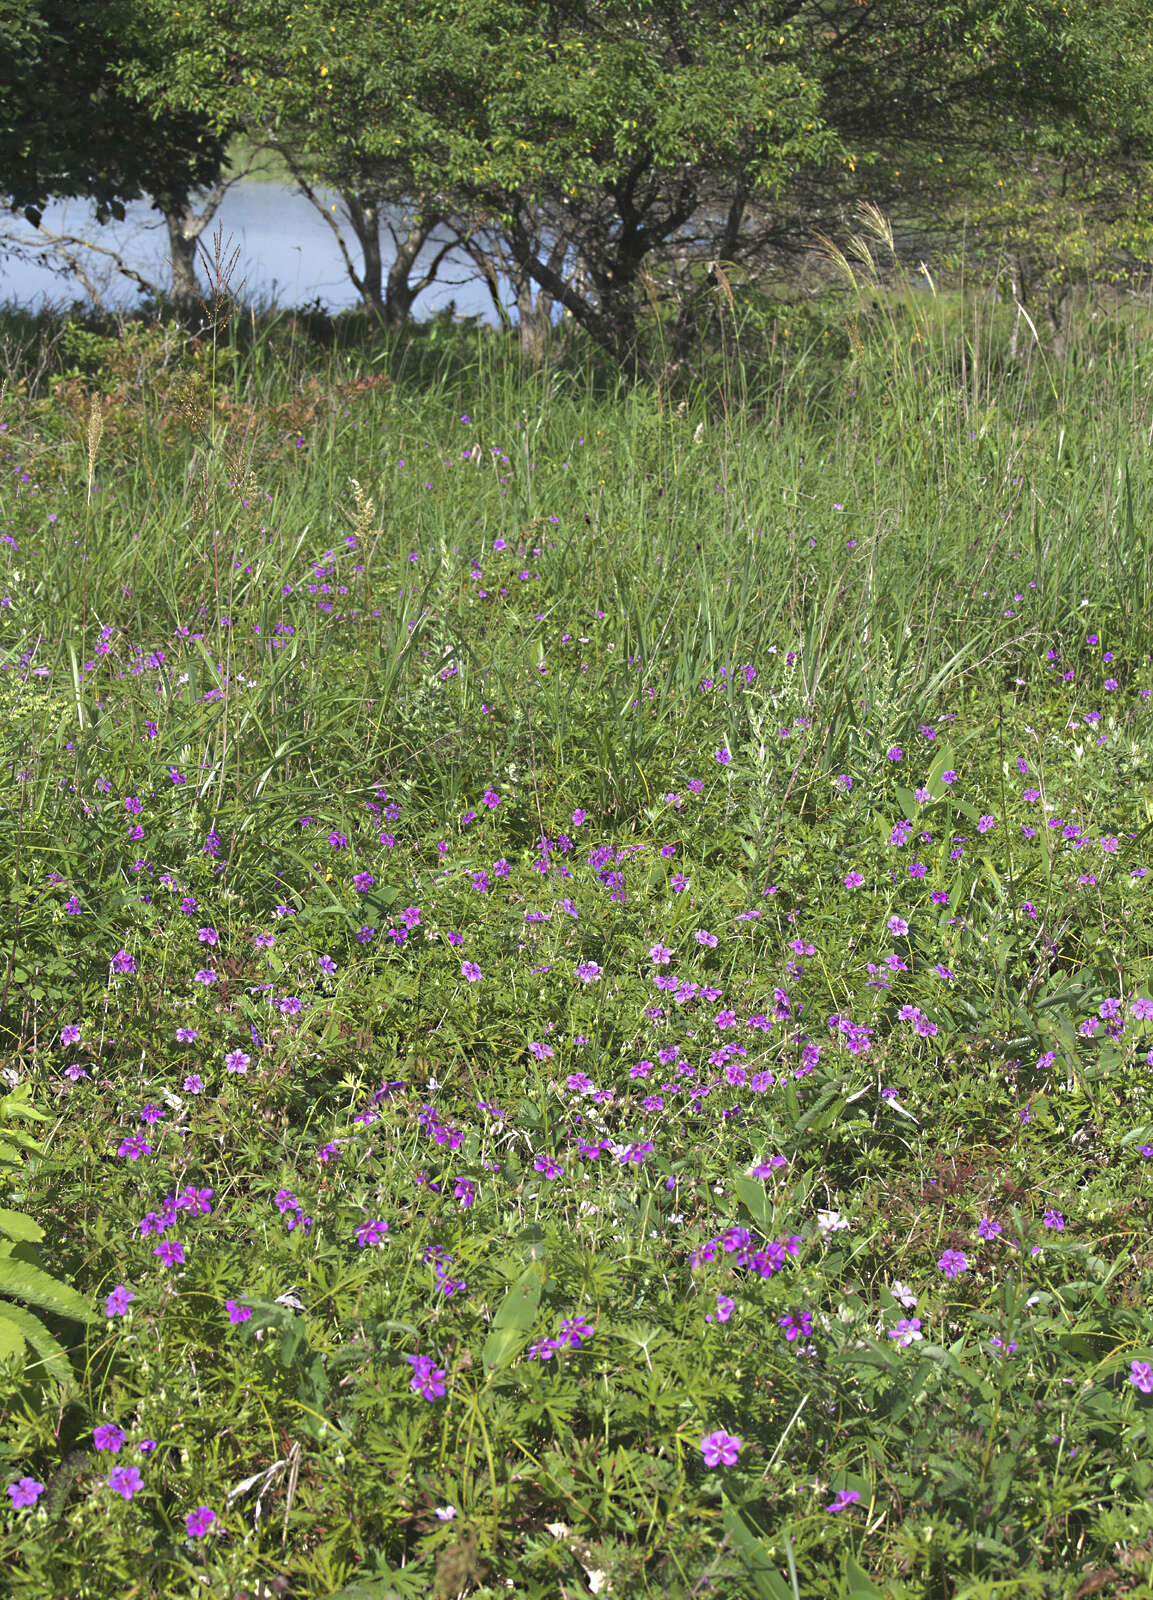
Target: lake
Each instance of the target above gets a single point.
(288, 256)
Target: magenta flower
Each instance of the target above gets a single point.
(199, 1521)
(1140, 1376)
(24, 1492)
(427, 1380)
(126, 1481)
(108, 1437)
(116, 1304)
(236, 1312)
(720, 1448)
(953, 1263)
(844, 1499)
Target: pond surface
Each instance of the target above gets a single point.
(288, 256)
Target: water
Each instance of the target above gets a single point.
(288, 256)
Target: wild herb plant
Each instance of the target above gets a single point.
(581, 971)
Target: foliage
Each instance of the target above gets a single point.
(68, 129)
(589, 963)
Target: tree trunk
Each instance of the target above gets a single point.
(184, 230)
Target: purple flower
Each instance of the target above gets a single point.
(371, 1233)
(123, 962)
(720, 1448)
(905, 1332)
(194, 1083)
(362, 882)
(171, 1252)
(126, 1481)
(236, 1312)
(237, 1061)
(116, 1304)
(199, 1521)
(722, 756)
(470, 971)
(208, 935)
(71, 1033)
(1140, 1376)
(575, 1331)
(844, 1499)
(797, 1324)
(1141, 1009)
(288, 1005)
(108, 1437)
(853, 880)
(898, 927)
(206, 976)
(953, 1263)
(427, 1380)
(704, 937)
(549, 1166)
(134, 1148)
(588, 972)
(1053, 1219)
(24, 1492)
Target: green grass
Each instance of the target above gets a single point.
(692, 1014)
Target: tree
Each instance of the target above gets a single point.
(67, 128)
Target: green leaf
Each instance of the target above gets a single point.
(751, 1193)
(25, 1282)
(11, 1338)
(515, 1316)
(18, 1226)
(758, 1563)
(858, 1584)
(30, 1328)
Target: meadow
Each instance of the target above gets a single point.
(576, 1005)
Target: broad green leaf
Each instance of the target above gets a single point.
(11, 1338)
(47, 1347)
(24, 1282)
(751, 1193)
(19, 1226)
(514, 1317)
(759, 1565)
(858, 1584)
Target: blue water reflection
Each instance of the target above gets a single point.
(288, 256)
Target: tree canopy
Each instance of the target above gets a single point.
(68, 127)
(610, 151)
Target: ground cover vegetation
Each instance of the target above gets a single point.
(576, 1008)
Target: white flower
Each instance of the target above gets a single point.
(830, 1222)
(902, 1293)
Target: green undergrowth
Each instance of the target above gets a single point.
(576, 1009)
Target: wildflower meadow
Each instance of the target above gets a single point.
(576, 1013)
